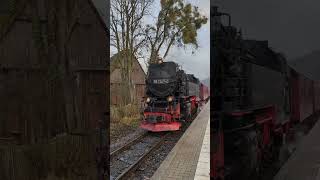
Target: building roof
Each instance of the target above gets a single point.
(102, 9)
(113, 61)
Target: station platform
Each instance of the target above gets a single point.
(190, 158)
(304, 163)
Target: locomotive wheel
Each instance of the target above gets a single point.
(242, 155)
(189, 117)
(198, 110)
(188, 112)
(251, 156)
(279, 151)
(275, 148)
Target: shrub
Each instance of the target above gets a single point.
(125, 114)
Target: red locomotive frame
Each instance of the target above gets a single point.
(172, 115)
(265, 121)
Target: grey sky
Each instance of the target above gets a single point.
(290, 26)
(199, 62)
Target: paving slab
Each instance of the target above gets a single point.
(182, 161)
(304, 163)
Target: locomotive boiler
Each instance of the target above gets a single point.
(258, 101)
(251, 101)
(172, 97)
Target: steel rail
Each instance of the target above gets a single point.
(126, 173)
(127, 145)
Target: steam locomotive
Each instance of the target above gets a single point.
(256, 99)
(173, 97)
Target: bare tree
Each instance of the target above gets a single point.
(127, 36)
(177, 24)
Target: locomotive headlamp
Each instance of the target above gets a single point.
(148, 100)
(160, 61)
(170, 98)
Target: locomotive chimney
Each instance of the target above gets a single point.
(265, 43)
(214, 11)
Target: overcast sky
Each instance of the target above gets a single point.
(197, 63)
(290, 26)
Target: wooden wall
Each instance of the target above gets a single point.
(37, 140)
(64, 157)
(138, 79)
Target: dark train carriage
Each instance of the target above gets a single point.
(192, 86)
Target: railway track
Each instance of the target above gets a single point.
(136, 153)
(127, 158)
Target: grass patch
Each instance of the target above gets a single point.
(123, 113)
(124, 119)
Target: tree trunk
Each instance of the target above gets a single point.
(153, 57)
(125, 87)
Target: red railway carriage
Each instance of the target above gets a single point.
(204, 92)
(302, 96)
(316, 86)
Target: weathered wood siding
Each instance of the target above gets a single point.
(31, 87)
(138, 79)
(36, 141)
(50, 161)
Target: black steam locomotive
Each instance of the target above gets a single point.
(172, 97)
(250, 101)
